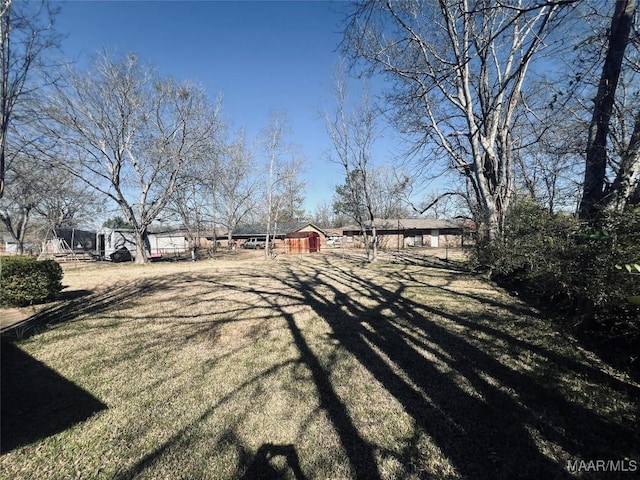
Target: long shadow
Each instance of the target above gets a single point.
(482, 429)
(154, 456)
(486, 325)
(360, 453)
(410, 258)
(77, 303)
(486, 429)
(520, 309)
(36, 401)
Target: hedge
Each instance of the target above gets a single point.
(570, 268)
(25, 280)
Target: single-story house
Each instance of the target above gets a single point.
(333, 237)
(400, 233)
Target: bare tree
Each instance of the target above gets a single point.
(596, 154)
(193, 202)
(439, 204)
(37, 192)
(459, 67)
(283, 186)
(65, 202)
(548, 168)
(290, 190)
(188, 205)
(26, 35)
(622, 184)
(323, 215)
(389, 189)
(129, 133)
(273, 148)
(236, 187)
(625, 189)
(352, 135)
(23, 194)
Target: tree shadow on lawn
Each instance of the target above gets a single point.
(74, 304)
(181, 438)
(503, 421)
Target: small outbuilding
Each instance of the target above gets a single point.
(302, 242)
(328, 237)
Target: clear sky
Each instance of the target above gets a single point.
(260, 56)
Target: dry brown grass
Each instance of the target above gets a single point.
(309, 367)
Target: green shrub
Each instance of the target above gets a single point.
(535, 252)
(569, 267)
(25, 280)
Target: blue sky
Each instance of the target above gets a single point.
(261, 56)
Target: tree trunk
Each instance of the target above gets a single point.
(17, 230)
(214, 234)
(365, 239)
(5, 25)
(374, 243)
(620, 193)
(142, 239)
(596, 154)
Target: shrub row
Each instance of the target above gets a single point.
(25, 280)
(569, 267)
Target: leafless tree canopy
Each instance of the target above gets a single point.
(27, 37)
(129, 133)
(236, 186)
(283, 164)
(458, 69)
(369, 192)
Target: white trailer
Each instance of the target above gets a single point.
(111, 240)
(167, 244)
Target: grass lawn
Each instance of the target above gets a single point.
(303, 367)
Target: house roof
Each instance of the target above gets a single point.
(410, 224)
(311, 226)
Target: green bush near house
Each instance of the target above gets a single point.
(25, 280)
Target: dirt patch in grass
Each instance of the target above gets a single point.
(311, 367)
